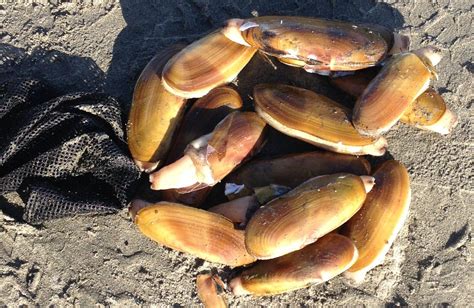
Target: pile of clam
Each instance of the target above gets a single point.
(293, 220)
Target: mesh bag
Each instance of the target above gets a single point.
(63, 156)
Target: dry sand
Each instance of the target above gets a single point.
(103, 45)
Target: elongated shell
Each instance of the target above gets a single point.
(154, 115)
(374, 228)
(210, 158)
(205, 64)
(428, 111)
(322, 44)
(316, 263)
(305, 214)
(200, 120)
(293, 169)
(210, 291)
(234, 139)
(313, 118)
(390, 93)
(206, 235)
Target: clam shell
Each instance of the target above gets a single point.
(200, 120)
(428, 111)
(293, 169)
(233, 140)
(313, 118)
(374, 228)
(154, 115)
(210, 158)
(205, 64)
(210, 291)
(322, 44)
(303, 215)
(206, 235)
(390, 93)
(316, 263)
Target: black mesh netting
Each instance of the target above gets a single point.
(65, 155)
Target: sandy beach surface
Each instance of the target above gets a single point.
(103, 45)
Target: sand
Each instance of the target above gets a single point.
(103, 45)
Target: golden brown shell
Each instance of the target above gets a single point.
(293, 169)
(233, 140)
(206, 235)
(388, 95)
(205, 64)
(316, 263)
(303, 215)
(428, 111)
(313, 118)
(210, 158)
(154, 115)
(374, 228)
(200, 120)
(322, 44)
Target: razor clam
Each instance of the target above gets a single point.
(208, 159)
(395, 87)
(374, 228)
(154, 115)
(206, 235)
(306, 213)
(200, 120)
(316, 263)
(205, 64)
(292, 170)
(313, 118)
(314, 43)
(428, 111)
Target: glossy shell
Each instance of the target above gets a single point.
(316, 263)
(234, 139)
(313, 118)
(205, 64)
(210, 158)
(206, 235)
(303, 215)
(293, 169)
(200, 120)
(322, 44)
(154, 115)
(428, 111)
(374, 228)
(389, 94)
